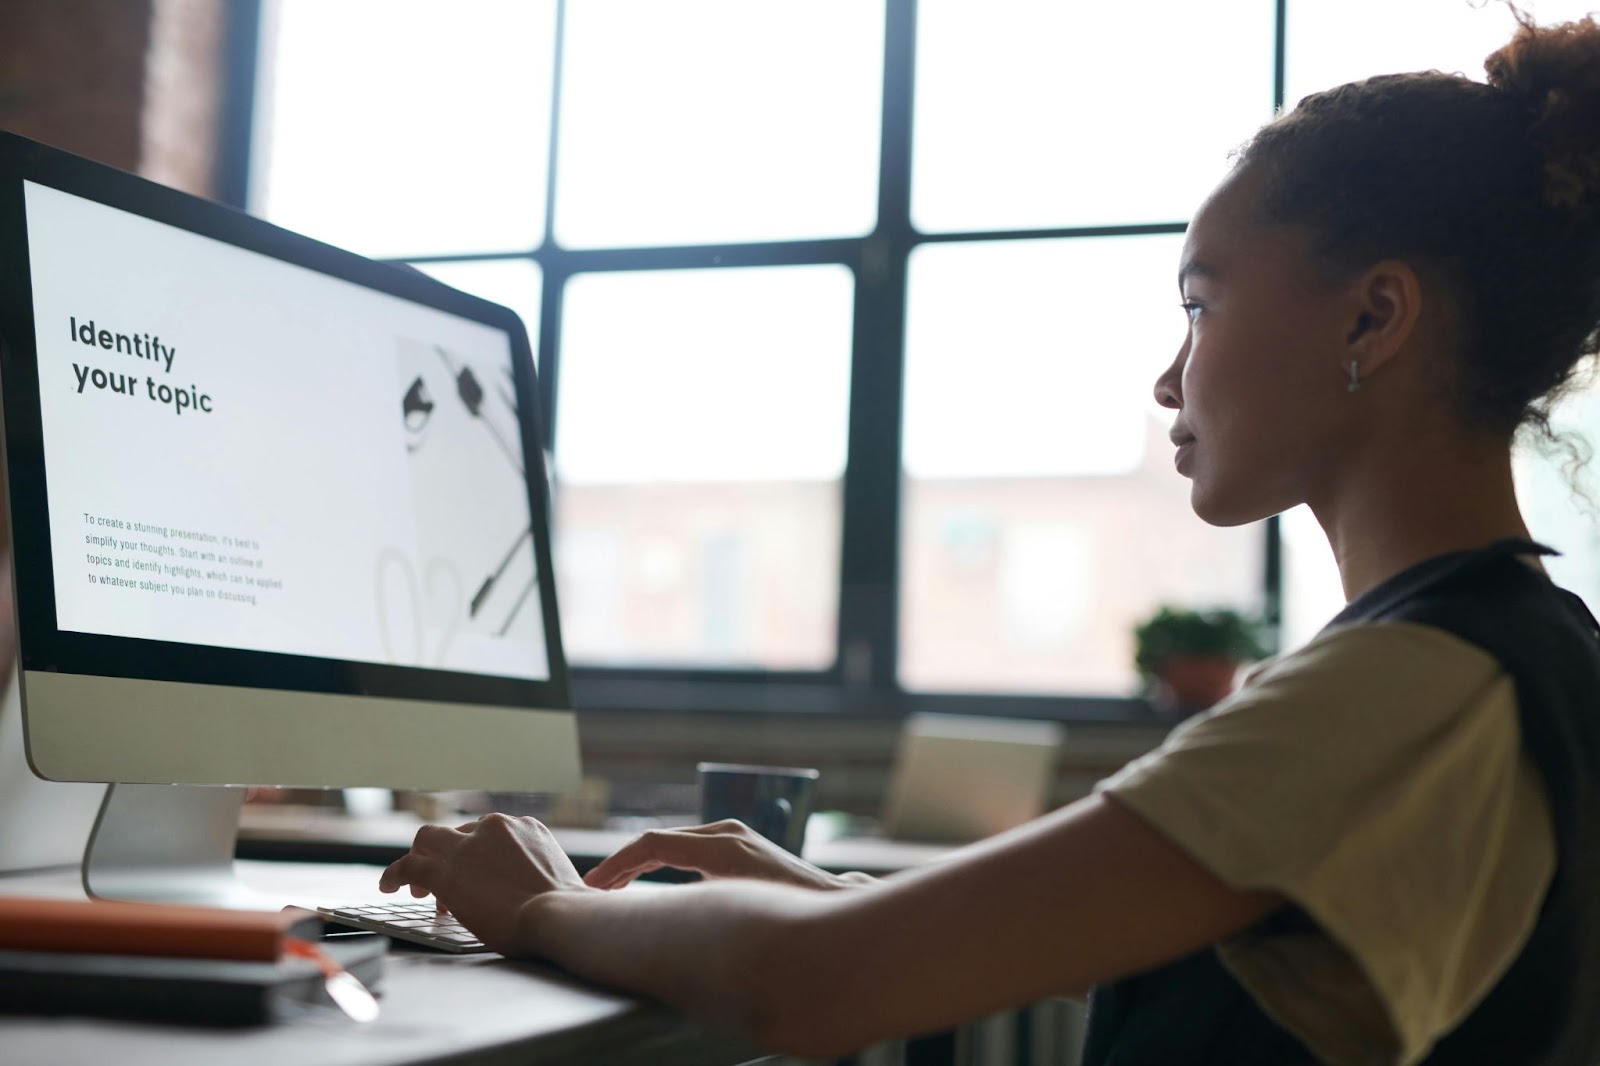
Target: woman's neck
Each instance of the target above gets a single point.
(1409, 505)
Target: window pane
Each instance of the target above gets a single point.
(699, 451)
(1038, 358)
(403, 127)
(710, 121)
(1312, 591)
(1330, 42)
(1033, 113)
(513, 283)
(1042, 515)
(1567, 520)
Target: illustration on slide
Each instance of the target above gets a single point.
(469, 493)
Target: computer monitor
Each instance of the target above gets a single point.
(279, 517)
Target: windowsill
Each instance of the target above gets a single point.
(590, 692)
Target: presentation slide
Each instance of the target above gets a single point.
(247, 454)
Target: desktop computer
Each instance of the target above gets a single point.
(278, 515)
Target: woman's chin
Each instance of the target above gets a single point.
(1216, 506)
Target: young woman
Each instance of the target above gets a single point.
(1386, 846)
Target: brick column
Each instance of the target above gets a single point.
(184, 87)
(72, 74)
(137, 84)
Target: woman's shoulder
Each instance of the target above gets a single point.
(1498, 598)
(1377, 780)
(1388, 678)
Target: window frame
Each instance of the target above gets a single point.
(863, 678)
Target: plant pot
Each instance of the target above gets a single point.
(1188, 684)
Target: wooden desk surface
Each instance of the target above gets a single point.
(477, 1009)
(314, 834)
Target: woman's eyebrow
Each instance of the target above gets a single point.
(1195, 268)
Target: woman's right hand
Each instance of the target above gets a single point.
(728, 848)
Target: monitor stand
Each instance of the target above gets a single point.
(43, 824)
(168, 844)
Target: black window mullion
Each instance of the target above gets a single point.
(1134, 229)
(1272, 555)
(1280, 48)
(553, 280)
(869, 556)
(553, 283)
(230, 178)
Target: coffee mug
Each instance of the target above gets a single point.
(775, 801)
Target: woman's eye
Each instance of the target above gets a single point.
(1190, 308)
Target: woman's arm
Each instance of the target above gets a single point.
(1084, 895)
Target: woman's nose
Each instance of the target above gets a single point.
(1169, 385)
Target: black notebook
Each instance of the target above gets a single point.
(218, 992)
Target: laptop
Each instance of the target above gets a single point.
(958, 778)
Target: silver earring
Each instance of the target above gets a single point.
(1355, 377)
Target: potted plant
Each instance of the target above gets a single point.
(1188, 659)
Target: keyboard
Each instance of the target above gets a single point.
(417, 921)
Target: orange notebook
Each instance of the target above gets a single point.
(103, 928)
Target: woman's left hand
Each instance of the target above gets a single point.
(728, 848)
(484, 871)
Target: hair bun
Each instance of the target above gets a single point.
(1556, 71)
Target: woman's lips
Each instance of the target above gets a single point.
(1182, 453)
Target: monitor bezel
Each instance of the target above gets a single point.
(45, 647)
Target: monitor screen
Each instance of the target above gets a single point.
(245, 453)
(279, 513)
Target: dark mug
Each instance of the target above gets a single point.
(775, 801)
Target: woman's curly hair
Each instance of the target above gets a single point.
(1492, 189)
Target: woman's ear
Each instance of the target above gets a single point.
(1385, 310)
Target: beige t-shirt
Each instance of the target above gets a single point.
(1376, 779)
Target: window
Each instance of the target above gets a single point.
(1042, 519)
(699, 458)
(1328, 44)
(396, 127)
(715, 121)
(847, 312)
(1032, 114)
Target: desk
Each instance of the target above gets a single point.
(322, 835)
(1049, 1032)
(436, 1008)
(472, 1009)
